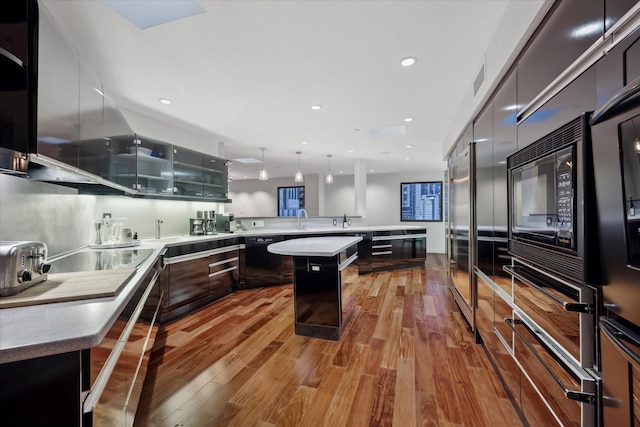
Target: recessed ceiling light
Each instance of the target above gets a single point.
(407, 158)
(351, 151)
(372, 170)
(408, 119)
(316, 107)
(408, 146)
(341, 171)
(164, 101)
(408, 61)
(304, 142)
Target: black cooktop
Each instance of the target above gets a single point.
(95, 260)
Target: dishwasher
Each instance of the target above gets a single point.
(261, 268)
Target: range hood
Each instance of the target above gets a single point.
(72, 112)
(42, 168)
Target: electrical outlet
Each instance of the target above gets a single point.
(257, 224)
(335, 221)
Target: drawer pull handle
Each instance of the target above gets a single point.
(226, 270)
(568, 306)
(381, 253)
(578, 396)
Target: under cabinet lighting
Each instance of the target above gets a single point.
(164, 101)
(408, 119)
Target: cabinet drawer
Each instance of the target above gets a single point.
(567, 391)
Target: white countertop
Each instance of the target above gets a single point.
(43, 330)
(314, 246)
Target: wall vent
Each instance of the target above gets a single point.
(477, 82)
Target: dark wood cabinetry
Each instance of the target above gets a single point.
(394, 249)
(198, 274)
(98, 386)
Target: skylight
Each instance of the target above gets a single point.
(149, 13)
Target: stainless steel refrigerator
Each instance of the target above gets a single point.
(462, 234)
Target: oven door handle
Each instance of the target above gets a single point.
(616, 102)
(617, 337)
(568, 306)
(578, 396)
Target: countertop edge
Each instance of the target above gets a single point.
(325, 247)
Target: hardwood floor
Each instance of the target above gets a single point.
(406, 359)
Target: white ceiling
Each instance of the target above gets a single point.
(246, 73)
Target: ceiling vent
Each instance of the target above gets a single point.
(387, 132)
(477, 82)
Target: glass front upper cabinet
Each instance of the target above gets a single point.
(145, 165)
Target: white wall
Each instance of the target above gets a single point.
(253, 198)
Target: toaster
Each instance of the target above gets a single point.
(22, 264)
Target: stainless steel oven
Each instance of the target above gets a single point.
(553, 340)
(549, 186)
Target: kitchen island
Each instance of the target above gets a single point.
(324, 272)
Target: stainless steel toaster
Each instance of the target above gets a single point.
(22, 264)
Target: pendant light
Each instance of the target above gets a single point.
(298, 176)
(329, 178)
(264, 176)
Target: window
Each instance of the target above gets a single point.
(421, 201)
(290, 200)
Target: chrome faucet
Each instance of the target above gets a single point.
(158, 222)
(300, 211)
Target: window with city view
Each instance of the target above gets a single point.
(421, 201)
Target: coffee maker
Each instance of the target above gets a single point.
(210, 222)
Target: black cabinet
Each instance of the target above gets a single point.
(615, 9)
(569, 29)
(395, 249)
(18, 70)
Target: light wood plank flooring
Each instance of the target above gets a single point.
(406, 359)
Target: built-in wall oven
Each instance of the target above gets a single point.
(552, 241)
(549, 187)
(616, 150)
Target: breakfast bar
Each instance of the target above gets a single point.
(324, 274)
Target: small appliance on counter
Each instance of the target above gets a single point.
(196, 226)
(226, 223)
(112, 233)
(210, 222)
(22, 264)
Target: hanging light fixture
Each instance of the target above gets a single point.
(298, 176)
(264, 176)
(329, 178)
